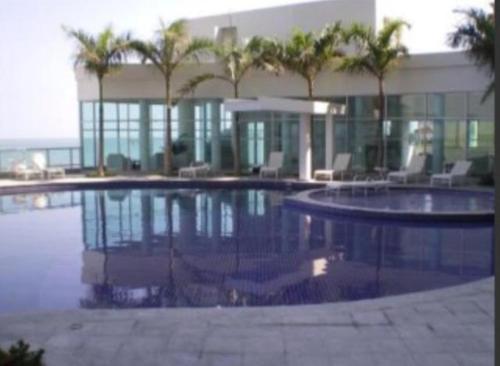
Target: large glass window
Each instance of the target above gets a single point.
(362, 107)
(408, 105)
(121, 131)
(203, 131)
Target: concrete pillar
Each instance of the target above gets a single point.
(215, 150)
(305, 147)
(329, 140)
(144, 136)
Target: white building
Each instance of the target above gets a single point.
(437, 93)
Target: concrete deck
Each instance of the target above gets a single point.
(451, 326)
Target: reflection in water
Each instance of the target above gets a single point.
(170, 248)
(37, 201)
(152, 248)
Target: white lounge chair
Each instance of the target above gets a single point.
(274, 165)
(414, 170)
(457, 174)
(195, 170)
(40, 163)
(21, 170)
(341, 166)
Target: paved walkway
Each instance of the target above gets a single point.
(452, 326)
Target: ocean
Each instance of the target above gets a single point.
(7, 144)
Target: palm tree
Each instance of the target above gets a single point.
(377, 54)
(100, 55)
(308, 54)
(477, 36)
(171, 48)
(236, 61)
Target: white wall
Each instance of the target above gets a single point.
(279, 21)
(442, 72)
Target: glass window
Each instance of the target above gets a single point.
(481, 146)
(123, 111)
(408, 105)
(110, 111)
(88, 149)
(446, 105)
(157, 112)
(481, 137)
(454, 140)
(362, 107)
(88, 125)
(134, 112)
(481, 110)
(87, 112)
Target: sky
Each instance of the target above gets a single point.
(37, 84)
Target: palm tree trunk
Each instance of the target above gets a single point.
(380, 128)
(236, 137)
(100, 169)
(310, 88)
(167, 156)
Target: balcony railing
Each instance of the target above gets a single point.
(64, 157)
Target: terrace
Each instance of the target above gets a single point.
(294, 200)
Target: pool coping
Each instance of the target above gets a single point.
(17, 187)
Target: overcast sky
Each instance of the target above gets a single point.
(37, 85)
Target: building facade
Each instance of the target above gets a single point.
(433, 105)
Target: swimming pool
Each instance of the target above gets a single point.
(142, 248)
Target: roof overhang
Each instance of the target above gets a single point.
(286, 105)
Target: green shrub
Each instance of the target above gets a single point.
(20, 355)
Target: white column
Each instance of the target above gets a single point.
(215, 120)
(329, 140)
(305, 147)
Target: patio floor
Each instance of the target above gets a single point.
(453, 326)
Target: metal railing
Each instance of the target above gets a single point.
(64, 157)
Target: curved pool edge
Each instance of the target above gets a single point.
(303, 200)
(18, 187)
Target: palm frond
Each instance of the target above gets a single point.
(100, 54)
(489, 91)
(194, 49)
(376, 54)
(477, 36)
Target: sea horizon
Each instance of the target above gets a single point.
(30, 143)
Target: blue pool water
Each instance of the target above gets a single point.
(188, 248)
(413, 200)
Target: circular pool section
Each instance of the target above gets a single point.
(145, 248)
(401, 203)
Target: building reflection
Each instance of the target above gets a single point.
(148, 248)
(11, 204)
